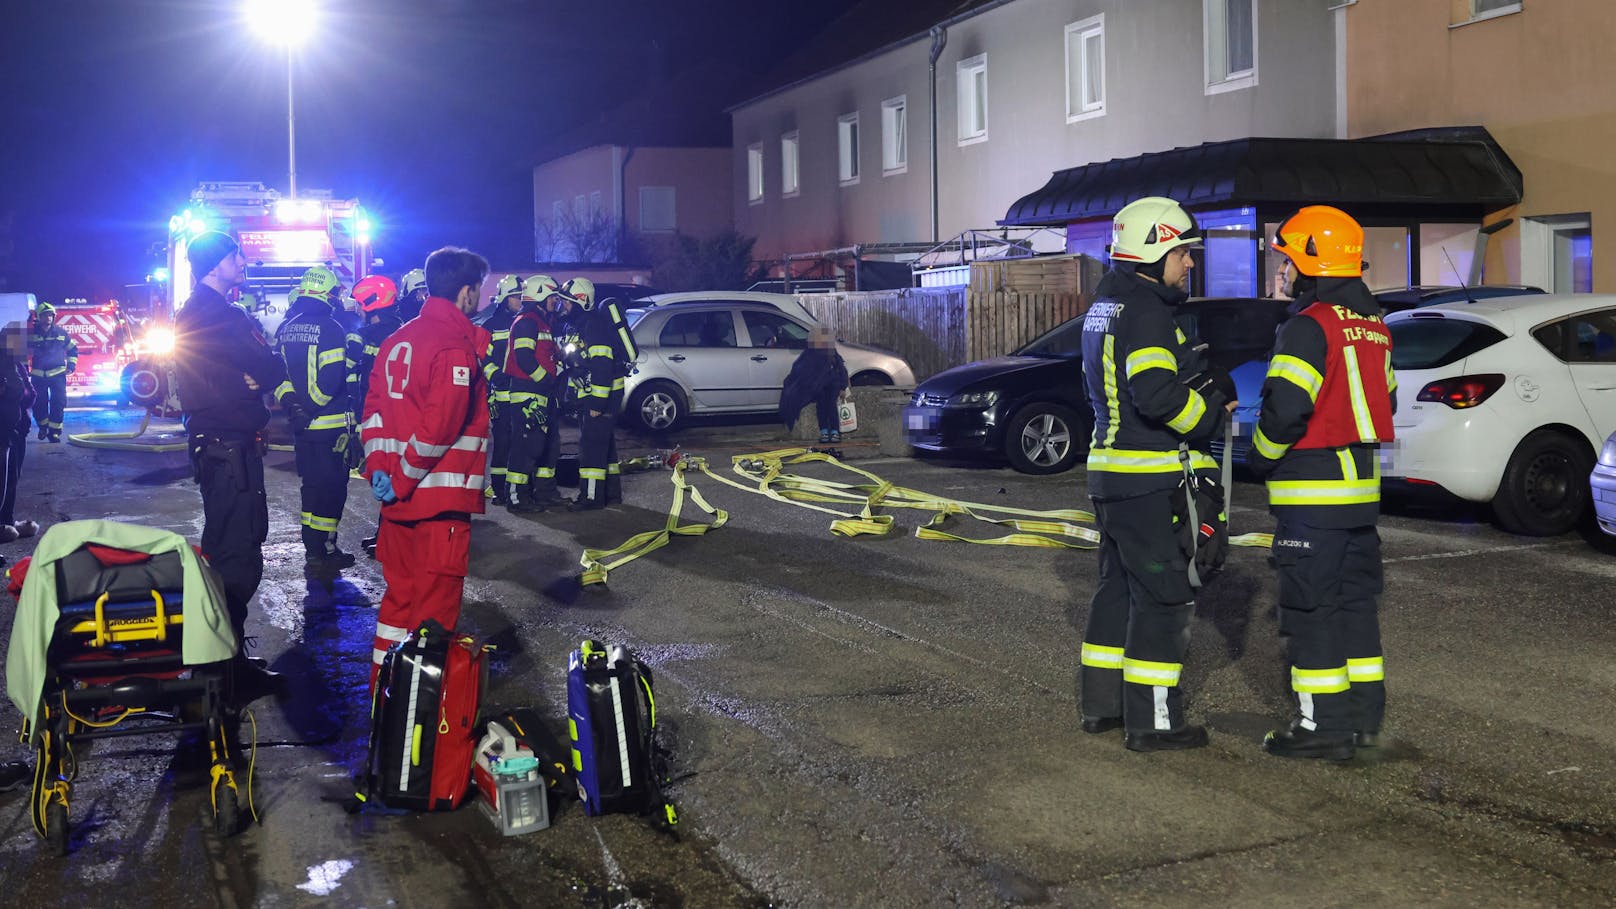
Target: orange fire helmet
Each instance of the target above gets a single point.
(375, 293)
(1323, 242)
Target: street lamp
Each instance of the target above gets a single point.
(287, 22)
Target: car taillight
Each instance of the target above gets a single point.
(1463, 392)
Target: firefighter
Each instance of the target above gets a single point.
(531, 367)
(1151, 413)
(507, 301)
(377, 297)
(54, 356)
(1327, 405)
(412, 294)
(313, 345)
(222, 368)
(597, 367)
(426, 447)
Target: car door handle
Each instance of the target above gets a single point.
(759, 358)
(677, 358)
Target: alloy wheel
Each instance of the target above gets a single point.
(1046, 440)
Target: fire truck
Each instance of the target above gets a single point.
(281, 239)
(106, 343)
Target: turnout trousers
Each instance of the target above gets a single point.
(600, 476)
(1138, 628)
(535, 448)
(50, 403)
(235, 516)
(323, 475)
(1329, 590)
(424, 565)
(500, 432)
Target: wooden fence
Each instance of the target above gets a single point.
(937, 328)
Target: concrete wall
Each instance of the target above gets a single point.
(1155, 99)
(700, 178)
(1542, 80)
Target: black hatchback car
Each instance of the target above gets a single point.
(1030, 407)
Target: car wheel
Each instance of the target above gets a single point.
(1045, 438)
(871, 377)
(1545, 486)
(656, 407)
(143, 384)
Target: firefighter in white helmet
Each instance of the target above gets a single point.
(1156, 406)
(411, 294)
(507, 300)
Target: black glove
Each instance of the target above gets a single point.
(1215, 385)
(296, 414)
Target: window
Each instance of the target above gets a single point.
(789, 168)
(895, 135)
(658, 209)
(1231, 44)
(847, 148)
(1483, 7)
(971, 80)
(774, 330)
(1420, 343)
(580, 207)
(699, 329)
(1085, 69)
(754, 173)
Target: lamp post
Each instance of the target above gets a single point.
(288, 23)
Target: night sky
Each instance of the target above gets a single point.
(431, 112)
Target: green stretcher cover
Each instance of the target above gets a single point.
(207, 635)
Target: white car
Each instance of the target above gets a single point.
(1505, 401)
(1603, 483)
(727, 352)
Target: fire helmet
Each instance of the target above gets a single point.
(318, 281)
(1147, 229)
(539, 288)
(375, 293)
(44, 309)
(413, 280)
(1322, 242)
(580, 291)
(508, 286)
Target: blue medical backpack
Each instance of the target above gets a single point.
(611, 713)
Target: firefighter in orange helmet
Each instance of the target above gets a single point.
(1327, 406)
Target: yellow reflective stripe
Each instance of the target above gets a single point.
(1319, 681)
(1349, 467)
(316, 396)
(330, 421)
(617, 385)
(502, 397)
(316, 522)
(1151, 358)
(592, 473)
(1366, 669)
(520, 479)
(1324, 492)
(599, 350)
(334, 355)
(1146, 672)
(1113, 405)
(1267, 447)
(1391, 374)
(1194, 410)
(372, 350)
(1100, 656)
(1361, 417)
(500, 335)
(356, 340)
(1121, 460)
(488, 370)
(284, 389)
(616, 467)
(1179, 334)
(546, 473)
(599, 391)
(1298, 372)
(524, 344)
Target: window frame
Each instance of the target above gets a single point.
(755, 185)
(966, 70)
(899, 103)
(747, 317)
(1214, 17)
(1082, 30)
(790, 164)
(847, 158)
(673, 210)
(701, 316)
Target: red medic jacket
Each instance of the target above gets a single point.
(428, 415)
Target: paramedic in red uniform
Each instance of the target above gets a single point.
(426, 444)
(1327, 405)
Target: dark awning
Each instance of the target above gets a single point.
(1458, 172)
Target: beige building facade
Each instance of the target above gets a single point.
(652, 192)
(1540, 76)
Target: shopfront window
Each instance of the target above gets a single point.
(1228, 264)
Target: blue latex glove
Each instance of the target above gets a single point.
(381, 485)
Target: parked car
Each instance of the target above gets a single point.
(1030, 407)
(1603, 483)
(728, 352)
(1398, 299)
(1505, 401)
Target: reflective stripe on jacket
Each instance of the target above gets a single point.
(313, 345)
(427, 415)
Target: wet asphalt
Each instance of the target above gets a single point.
(876, 721)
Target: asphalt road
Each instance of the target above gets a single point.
(880, 722)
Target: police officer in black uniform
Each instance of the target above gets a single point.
(54, 356)
(1151, 415)
(507, 302)
(223, 367)
(1327, 405)
(313, 345)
